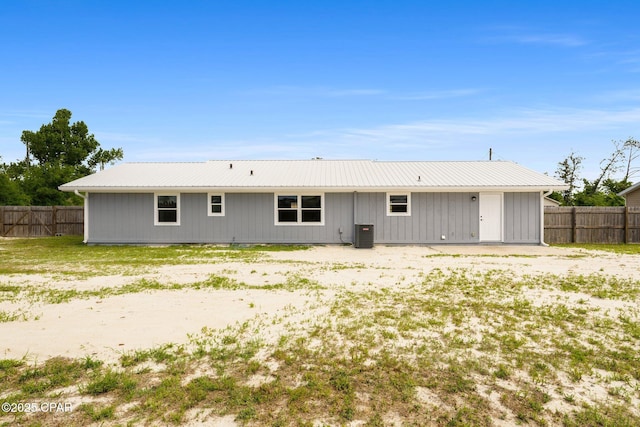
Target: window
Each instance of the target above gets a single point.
(287, 209)
(299, 209)
(167, 209)
(215, 205)
(311, 208)
(398, 204)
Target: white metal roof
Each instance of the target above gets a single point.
(328, 175)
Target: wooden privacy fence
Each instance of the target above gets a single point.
(36, 221)
(592, 224)
(580, 224)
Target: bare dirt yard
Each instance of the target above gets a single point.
(394, 335)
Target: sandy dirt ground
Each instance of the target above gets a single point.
(107, 327)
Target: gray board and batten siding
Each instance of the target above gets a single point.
(128, 218)
(318, 201)
(522, 219)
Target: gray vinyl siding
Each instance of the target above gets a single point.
(120, 218)
(454, 215)
(249, 218)
(522, 217)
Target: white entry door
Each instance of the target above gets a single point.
(490, 217)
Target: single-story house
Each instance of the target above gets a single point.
(314, 201)
(631, 195)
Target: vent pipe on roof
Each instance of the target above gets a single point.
(251, 173)
(418, 177)
(230, 165)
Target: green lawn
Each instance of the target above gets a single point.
(67, 255)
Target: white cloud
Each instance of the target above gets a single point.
(563, 40)
(537, 138)
(527, 121)
(523, 35)
(314, 91)
(439, 94)
(27, 114)
(327, 92)
(122, 137)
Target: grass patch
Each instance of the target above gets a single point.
(67, 255)
(98, 413)
(12, 316)
(37, 379)
(33, 293)
(162, 354)
(108, 381)
(631, 249)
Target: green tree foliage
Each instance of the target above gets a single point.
(103, 157)
(606, 196)
(10, 191)
(57, 153)
(61, 142)
(604, 189)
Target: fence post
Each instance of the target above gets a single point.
(626, 224)
(54, 220)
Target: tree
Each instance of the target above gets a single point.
(604, 189)
(60, 142)
(102, 157)
(57, 153)
(568, 172)
(10, 191)
(608, 196)
(631, 149)
(608, 166)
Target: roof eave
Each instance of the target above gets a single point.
(335, 189)
(629, 190)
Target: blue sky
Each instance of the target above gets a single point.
(387, 80)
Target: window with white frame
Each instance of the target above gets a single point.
(216, 204)
(304, 209)
(398, 204)
(167, 209)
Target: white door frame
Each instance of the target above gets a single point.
(491, 217)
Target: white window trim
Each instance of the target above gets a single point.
(299, 209)
(155, 210)
(209, 204)
(407, 213)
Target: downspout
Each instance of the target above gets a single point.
(86, 215)
(355, 216)
(542, 216)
